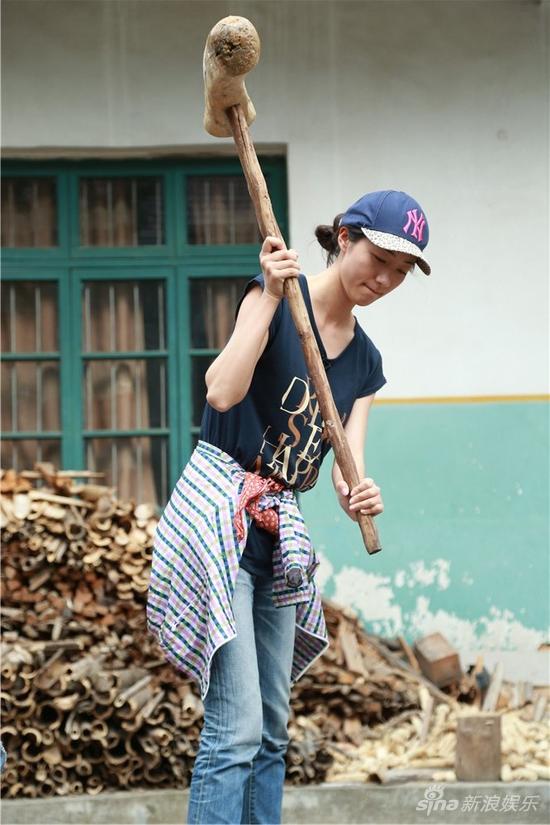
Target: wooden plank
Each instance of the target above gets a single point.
(37, 495)
(539, 708)
(408, 651)
(350, 649)
(400, 666)
(491, 697)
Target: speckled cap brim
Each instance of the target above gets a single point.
(397, 244)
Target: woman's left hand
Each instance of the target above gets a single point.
(364, 498)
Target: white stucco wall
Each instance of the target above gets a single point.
(448, 100)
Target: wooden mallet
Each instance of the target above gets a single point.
(232, 50)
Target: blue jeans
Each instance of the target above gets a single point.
(239, 770)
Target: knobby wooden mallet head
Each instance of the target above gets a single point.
(232, 50)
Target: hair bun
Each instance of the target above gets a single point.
(328, 237)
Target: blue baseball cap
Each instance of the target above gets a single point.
(392, 220)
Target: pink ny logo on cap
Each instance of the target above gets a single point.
(418, 222)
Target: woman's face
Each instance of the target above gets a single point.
(369, 272)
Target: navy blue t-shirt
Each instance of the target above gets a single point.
(277, 429)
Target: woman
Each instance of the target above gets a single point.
(232, 598)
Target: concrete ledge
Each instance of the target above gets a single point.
(352, 804)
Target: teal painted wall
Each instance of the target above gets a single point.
(465, 532)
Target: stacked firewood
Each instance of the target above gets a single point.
(74, 726)
(421, 745)
(88, 701)
(346, 692)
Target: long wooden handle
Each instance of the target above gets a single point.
(268, 226)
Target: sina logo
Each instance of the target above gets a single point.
(433, 801)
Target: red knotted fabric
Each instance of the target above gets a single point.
(253, 489)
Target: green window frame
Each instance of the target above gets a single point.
(175, 263)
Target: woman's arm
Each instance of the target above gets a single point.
(366, 495)
(228, 378)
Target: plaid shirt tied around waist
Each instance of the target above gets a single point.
(197, 547)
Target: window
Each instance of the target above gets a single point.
(121, 211)
(120, 283)
(124, 383)
(220, 211)
(29, 212)
(214, 301)
(30, 375)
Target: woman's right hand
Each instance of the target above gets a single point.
(277, 263)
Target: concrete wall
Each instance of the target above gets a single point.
(464, 534)
(448, 100)
(330, 803)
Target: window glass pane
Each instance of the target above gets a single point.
(125, 395)
(200, 364)
(121, 211)
(29, 320)
(124, 316)
(30, 396)
(29, 212)
(220, 211)
(23, 454)
(137, 467)
(213, 304)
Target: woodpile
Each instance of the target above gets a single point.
(90, 704)
(420, 745)
(347, 690)
(88, 701)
